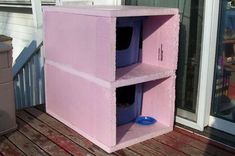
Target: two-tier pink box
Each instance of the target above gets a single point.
(81, 77)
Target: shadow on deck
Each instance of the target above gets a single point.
(40, 134)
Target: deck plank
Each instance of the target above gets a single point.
(126, 152)
(9, 149)
(207, 148)
(71, 134)
(40, 140)
(24, 144)
(66, 131)
(204, 139)
(40, 134)
(181, 146)
(167, 150)
(53, 135)
(144, 150)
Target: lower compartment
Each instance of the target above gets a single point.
(157, 101)
(90, 108)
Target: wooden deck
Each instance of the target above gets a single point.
(41, 134)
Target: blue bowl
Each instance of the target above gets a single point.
(145, 120)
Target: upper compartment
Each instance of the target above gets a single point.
(83, 40)
(153, 53)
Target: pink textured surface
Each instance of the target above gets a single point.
(139, 73)
(81, 77)
(161, 33)
(79, 42)
(130, 134)
(82, 104)
(114, 11)
(158, 100)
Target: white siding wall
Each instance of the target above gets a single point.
(19, 26)
(25, 1)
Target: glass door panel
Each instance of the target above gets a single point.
(223, 102)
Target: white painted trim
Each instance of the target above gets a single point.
(211, 60)
(222, 125)
(206, 66)
(118, 2)
(58, 2)
(207, 60)
(37, 13)
(188, 123)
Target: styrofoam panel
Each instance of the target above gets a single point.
(86, 43)
(160, 41)
(82, 104)
(158, 100)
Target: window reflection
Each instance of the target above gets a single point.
(224, 84)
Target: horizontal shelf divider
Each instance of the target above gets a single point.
(139, 73)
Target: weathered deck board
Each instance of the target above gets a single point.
(126, 152)
(40, 140)
(9, 149)
(40, 134)
(176, 144)
(53, 135)
(66, 131)
(25, 144)
(72, 135)
(154, 144)
(144, 150)
(206, 148)
(204, 140)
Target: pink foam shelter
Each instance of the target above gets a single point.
(81, 77)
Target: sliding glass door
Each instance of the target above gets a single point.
(223, 99)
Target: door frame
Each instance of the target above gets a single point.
(219, 123)
(206, 71)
